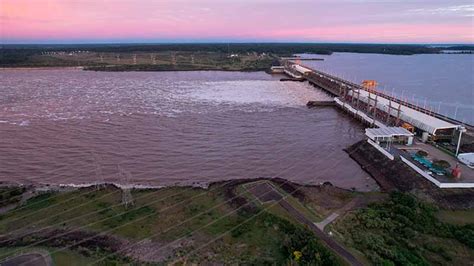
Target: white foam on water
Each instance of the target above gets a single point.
(24, 123)
(82, 96)
(244, 92)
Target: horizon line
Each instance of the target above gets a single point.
(224, 42)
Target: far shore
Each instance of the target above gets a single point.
(40, 67)
(121, 69)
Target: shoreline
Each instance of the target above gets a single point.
(84, 68)
(50, 187)
(41, 67)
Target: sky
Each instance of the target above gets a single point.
(105, 21)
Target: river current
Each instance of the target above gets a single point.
(68, 126)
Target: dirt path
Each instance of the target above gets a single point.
(34, 258)
(266, 192)
(357, 201)
(333, 245)
(321, 225)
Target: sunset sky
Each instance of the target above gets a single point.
(90, 21)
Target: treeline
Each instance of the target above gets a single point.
(11, 55)
(28, 57)
(298, 246)
(15, 56)
(460, 48)
(275, 48)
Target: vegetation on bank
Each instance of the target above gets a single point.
(47, 55)
(164, 224)
(10, 195)
(221, 225)
(184, 61)
(145, 61)
(406, 231)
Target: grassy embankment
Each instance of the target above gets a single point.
(10, 195)
(396, 230)
(266, 238)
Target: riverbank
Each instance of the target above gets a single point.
(147, 230)
(94, 223)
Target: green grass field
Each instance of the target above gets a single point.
(457, 217)
(152, 61)
(200, 226)
(178, 220)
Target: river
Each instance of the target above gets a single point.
(67, 126)
(440, 82)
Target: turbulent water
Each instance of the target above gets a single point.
(68, 126)
(440, 82)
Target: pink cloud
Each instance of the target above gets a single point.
(384, 32)
(300, 20)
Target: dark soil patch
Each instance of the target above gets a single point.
(265, 192)
(237, 201)
(81, 240)
(390, 175)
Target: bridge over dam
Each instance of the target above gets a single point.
(379, 109)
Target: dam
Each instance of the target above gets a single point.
(391, 114)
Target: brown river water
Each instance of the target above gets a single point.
(67, 126)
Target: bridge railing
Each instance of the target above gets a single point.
(352, 86)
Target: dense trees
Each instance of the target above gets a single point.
(300, 245)
(12, 55)
(404, 231)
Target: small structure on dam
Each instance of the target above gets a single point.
(390, 135)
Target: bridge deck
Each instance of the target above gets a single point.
(339, 87)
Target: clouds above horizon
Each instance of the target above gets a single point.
(244, 20)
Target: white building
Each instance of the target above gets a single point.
(390, 134)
